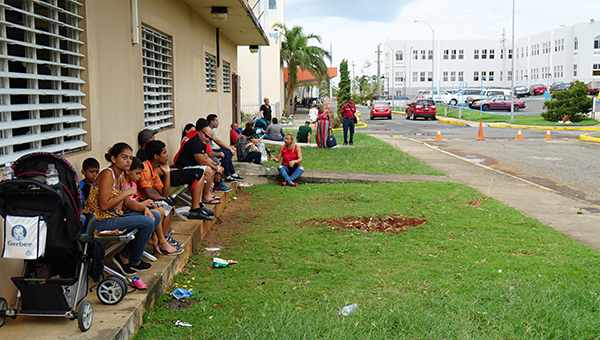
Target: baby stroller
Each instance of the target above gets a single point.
(55, 277)
(260, 127)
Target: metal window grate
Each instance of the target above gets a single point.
(40, 85)
(226, 77)
(211, 72)
(158, 79)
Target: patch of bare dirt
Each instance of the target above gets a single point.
(386, 224)
(476, 202)
(175, 304)
(235, 215)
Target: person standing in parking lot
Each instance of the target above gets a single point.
(349, 118)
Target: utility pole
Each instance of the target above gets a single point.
(378, 71)
(330, 65)
(504, 75)
(352, 82)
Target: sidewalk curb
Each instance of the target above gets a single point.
(586, 137)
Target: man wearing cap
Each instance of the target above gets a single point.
(144, 137)
(221, 149)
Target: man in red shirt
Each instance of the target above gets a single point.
(348, 115)
(233, 134)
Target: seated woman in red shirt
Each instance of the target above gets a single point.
(290, 156)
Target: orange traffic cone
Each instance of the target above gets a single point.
(439, 135)
(519, 137)
(548, 137)
(480, 134)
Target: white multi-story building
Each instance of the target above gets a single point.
(566, 53)
(261, 70)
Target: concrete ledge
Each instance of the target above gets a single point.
(258, 174)
(121, 321)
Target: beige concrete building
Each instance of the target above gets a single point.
(261, 71)
(78, 76)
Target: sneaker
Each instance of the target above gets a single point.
(293, 184)
(177, 251)
(125, 268)
(173, 242)
(141, 266)
(237, 178)
(283, 183)
(198, 214)
(136, 282)
(230, 179)
(207, 210)
(221, 187)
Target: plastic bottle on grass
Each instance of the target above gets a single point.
(52, 175)
(348, 309)
(8, 173)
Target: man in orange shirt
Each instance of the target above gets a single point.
(158, 157)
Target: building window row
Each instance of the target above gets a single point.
(40, 77)
(596, 70)
(452, 54)
(453, 76)
(559, 45)
(558, 71)
(158, 77)
(485, 76)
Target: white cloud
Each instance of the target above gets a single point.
(356, 40)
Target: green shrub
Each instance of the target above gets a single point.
(571, 104)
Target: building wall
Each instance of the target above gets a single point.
(555, 63)
(113, 81)
(270, 66)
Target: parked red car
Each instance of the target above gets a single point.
(537, 89)
(381, 109)
(593, 87)
(420, 108)
(498, 103)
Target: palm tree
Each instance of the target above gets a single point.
(297, 53)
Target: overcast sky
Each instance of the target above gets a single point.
(355, 27)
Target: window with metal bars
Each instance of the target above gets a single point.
(226, 77)
(158, 79)
(40, 83)
(211, 72)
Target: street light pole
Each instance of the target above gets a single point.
(393, 74)
(432, 54)
(512, 79)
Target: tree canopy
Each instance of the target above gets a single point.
(297, 52)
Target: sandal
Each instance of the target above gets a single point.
(212, 201)
(136, 282)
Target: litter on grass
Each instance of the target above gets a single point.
(181, 323)
(220, 263)
(212, 249)
(245, 185)
(180, 293)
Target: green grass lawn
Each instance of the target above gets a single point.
(487, 117)
(475, 270)
(368, 155)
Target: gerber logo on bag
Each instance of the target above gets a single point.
(24, 237)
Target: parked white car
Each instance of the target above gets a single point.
(464, 95)
(439, 96)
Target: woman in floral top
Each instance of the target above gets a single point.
(107, 199)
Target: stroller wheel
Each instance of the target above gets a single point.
(84, 315)
(123, 281)
(111, 290)
(3, 308)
